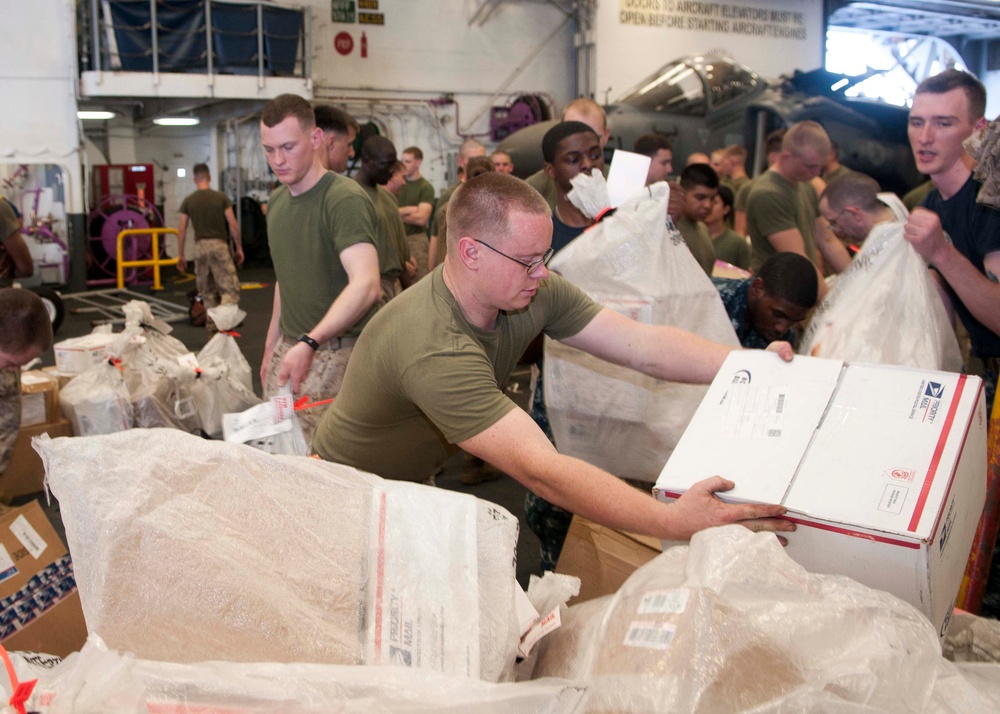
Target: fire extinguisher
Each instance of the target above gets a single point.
(364, 45)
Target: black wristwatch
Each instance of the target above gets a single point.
(309, 341)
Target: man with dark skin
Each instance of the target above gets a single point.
(378, 157)
(765, 308)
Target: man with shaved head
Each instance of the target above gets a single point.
(782, 210)
(585, 111)
(321, 232)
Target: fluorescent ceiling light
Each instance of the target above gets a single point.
(177, 121)
(95, 115)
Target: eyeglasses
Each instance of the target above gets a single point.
(833, 223)
(532, 266)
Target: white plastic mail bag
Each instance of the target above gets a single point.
(97, 401)
(884, 309)
(634, 263)
(189, 550)
(732, 624)
(223, 346)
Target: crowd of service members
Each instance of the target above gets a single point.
(411, 313)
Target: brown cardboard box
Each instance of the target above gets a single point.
(39, 398)
(39, 602)
(63, 377)
(25, 472)
(602, 557)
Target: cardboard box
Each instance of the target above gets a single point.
(39, 398)
(39, 602)
(64, 378)
(882, 468)
(78, 354)
(602, 557)
(25, 472)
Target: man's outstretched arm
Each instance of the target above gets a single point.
(517, 446)
(660, 351)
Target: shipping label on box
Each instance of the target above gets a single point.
(882, 468)
(78, 354)
(39, 398)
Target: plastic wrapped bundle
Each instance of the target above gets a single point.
(884, 309)
(223, 347)
(633, 263)
(188, 550)
(216, 392)
(160, 392)
(96, 681)
(97, 401)
(732, 624)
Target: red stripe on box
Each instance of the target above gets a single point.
(936, 458)
(853, 534)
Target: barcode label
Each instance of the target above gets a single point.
(650, 635)
(664, 601)
(780, 406)
(773, 433)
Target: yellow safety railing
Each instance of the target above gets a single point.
(155, 262)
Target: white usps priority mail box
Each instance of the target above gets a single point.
(882, 468)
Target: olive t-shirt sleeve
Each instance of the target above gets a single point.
(8, 220)
(351, 215)
(426, 194)
(771, 212)
(568, 309)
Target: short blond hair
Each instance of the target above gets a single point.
(806, 135)
(481, 207)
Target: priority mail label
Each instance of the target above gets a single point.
(928, 404)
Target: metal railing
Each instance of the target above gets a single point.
(210, 37)
(156, 262)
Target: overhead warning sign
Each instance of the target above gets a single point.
(342, 11)
(371, 18)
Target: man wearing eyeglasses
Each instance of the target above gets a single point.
(428, 371)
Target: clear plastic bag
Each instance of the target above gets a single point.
(732, 624)
(97, 401)
(98, 680)
(186, 549)
(223, 348)
(636, 264)
(884, 309)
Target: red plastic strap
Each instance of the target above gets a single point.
(115, 362)
(304, 403)
(21, 690)
(231, 333)
(602, 213)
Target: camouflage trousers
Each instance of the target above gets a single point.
(322, 382)
(215, 272)
(10, 413)
(419, 249)
(391, 287)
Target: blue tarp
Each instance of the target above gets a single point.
(181, 36)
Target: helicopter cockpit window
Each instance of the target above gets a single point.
(728, 82)
(677, 88)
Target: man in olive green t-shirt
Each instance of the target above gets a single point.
(428, 373)
(321, 232)
(782, 209)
